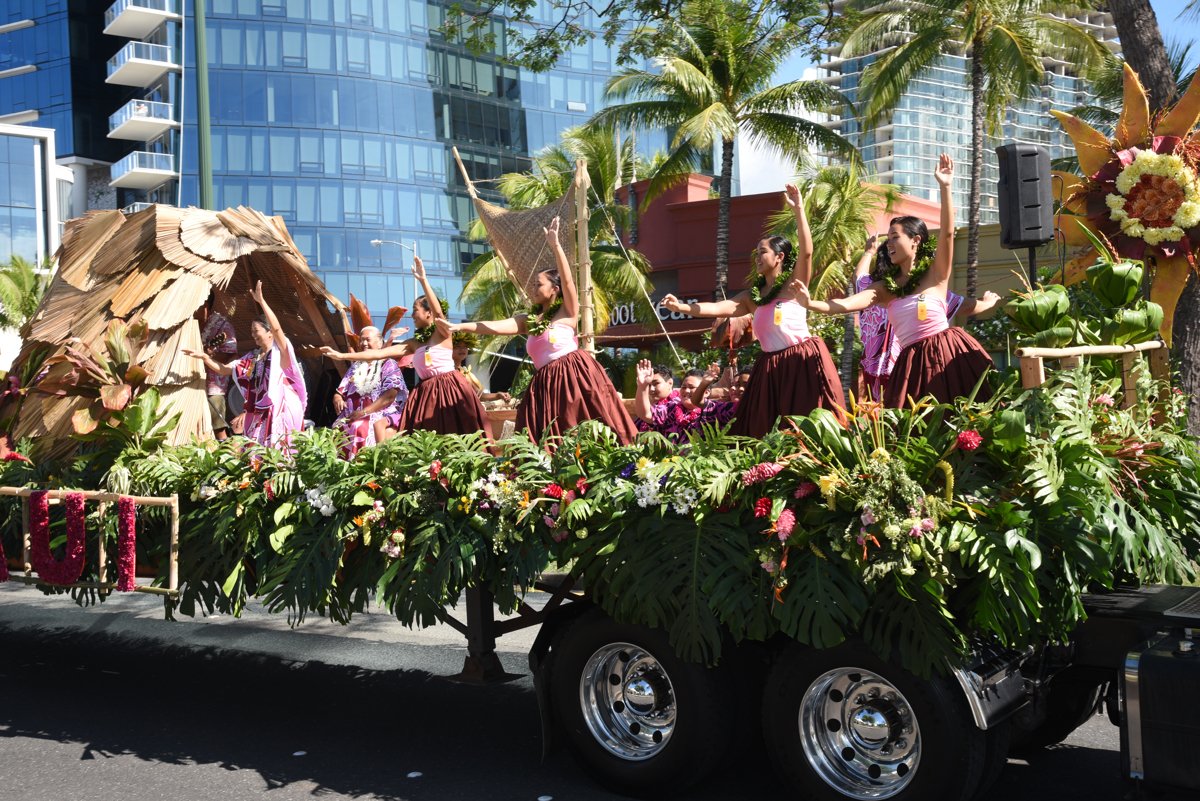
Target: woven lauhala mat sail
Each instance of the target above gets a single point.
(518, 240)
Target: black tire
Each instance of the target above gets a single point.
(1068, 704)
(690, 696)
(904, 737)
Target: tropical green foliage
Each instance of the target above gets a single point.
(1005, 43)
(713, 79)
(916, 529)
(1106, 83)
(22, 285)
(616, 279)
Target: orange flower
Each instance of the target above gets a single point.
(372, 485)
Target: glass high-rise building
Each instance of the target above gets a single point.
(337, 115)
(934, 116)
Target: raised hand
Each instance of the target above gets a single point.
(944, 173)
(791, 196)
(256, 293)
(192, 353)
(445, 327)
(396, 333)
(551, 231)
(671, 303)
(418, 268)
(713, 373)
(873, 241)
(645, 371)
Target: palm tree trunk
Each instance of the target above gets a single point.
(1142, 46)
(976, 168)
(846, 368)
(725, 190)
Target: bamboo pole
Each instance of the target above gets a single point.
(1087, 350)
(173, 559)
(90, 495)
(462, 168)
(583, 257)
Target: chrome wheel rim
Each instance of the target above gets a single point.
(628, 702)
(859, 733)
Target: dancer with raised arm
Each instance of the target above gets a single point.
(569, 385)
(444, 401)
(881, 348)
(795, 373)
(270, 380)
(935, 358)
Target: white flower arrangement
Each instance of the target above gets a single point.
(320, 501)
(1167, 166)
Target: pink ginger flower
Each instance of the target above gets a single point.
(762, 507)
(1104, 400)
(760, 473)
(435, 469)
(927, 524)
(553, 491)
(969, 440)
(806, 489)
(581, 486)
(784, 524)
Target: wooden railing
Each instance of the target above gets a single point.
(103, 498)
(1033, 367)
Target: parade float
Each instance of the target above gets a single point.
(900, 599)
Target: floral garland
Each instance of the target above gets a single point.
(537, 321)
(1157, 198)
(367, 377)
(923, 261)
(781, 280)
(3, 563)
(126, 545)
(423, 333)
(48, 568)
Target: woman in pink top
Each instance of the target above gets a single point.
(881, 348)
(444, 400)
(795, 374)
(569, 385)
(935, 358)
(269, 378)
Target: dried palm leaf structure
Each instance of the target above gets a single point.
(520, 244)
(160, 265)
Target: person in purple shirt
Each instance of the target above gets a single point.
(370, 398)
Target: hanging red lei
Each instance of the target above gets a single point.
(3, 563)
(48, 568)
(126, 545)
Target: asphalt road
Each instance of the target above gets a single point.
(114, 702)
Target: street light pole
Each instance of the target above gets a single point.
(413, 247)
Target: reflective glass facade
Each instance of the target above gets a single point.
(339, 116)
(934, 116)
(19, 202)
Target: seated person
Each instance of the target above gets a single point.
(370, 398)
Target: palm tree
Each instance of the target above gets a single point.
(616, 278)
(21, 288)
(1005, 42)
(841, 207)
(1108, 82)
(714, 82)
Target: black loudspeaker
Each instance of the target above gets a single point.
(1026, 202)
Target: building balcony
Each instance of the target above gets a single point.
(141, 121)
(134, 208)
(143, 170)
(137, 19)
(140, 64)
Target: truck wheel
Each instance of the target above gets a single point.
(842, 723)
(641, 720)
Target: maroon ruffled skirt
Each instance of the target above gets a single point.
(569, 390)
(946, 365)
(446, 403)
(792, 381)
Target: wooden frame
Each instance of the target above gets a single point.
(1033, 368)
(103, 498)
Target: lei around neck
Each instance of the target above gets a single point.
(923, 262)
(537, 321)
(423, 334)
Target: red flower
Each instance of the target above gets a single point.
(806, 489)
(969, 440)
(127, 544)
(581, 485)
(553, 491)
(762, 507)
(723, 507)
(435, 469)
(269, 490)
(13, 456)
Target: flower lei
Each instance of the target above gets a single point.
(1157, 198)
(537, 321)
(367, 377)
(922, 263)
(3, 563)
(126, 545)
(48, 568)
(423, 334)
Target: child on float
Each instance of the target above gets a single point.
(569, 385)
(935, 358)
(795, 374)
(444, 400)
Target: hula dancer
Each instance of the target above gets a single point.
(444, 401)
(935, 358)
(795, 374)
(569, 385)
(270, 380)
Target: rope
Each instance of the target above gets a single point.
(651, 335)
(645, 294)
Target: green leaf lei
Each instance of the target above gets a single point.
(423, 334)
(537, 321)
(924, 261)
(780, 282)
